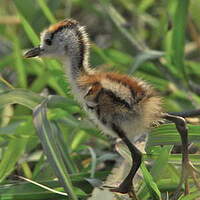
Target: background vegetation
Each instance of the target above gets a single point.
(157, 40)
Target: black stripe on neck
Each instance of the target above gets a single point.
(82, 48)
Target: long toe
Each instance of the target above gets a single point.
(123, 189)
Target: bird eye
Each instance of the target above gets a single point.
(48, 42)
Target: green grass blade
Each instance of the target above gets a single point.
(151, 185)
(40, 82)
(25, 190)
(80, 135)
(174, 158)
(14, 151)
(178, 35)
(46, 11)
(94, 162)
(19, 65)
(143, 57)
(42, 186)
(167, 134)
(119, 21)
(29, 31)
(191, 196)
(45, 133)
(157, 169)
(64, 151)
(20, 96)
(31, 100)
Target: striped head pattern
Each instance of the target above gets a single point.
(65, 37)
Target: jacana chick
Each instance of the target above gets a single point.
(120, 105)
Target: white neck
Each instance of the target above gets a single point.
(76, 61)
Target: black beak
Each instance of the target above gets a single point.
(33, 52)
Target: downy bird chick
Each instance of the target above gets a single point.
(120, 105)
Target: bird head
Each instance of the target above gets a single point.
(54, 41)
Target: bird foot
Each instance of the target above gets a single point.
(189, 170)
(123, 189)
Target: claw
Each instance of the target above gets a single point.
(123, 190)
(120, 189)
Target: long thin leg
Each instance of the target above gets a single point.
(136, 155)
(183, 131)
